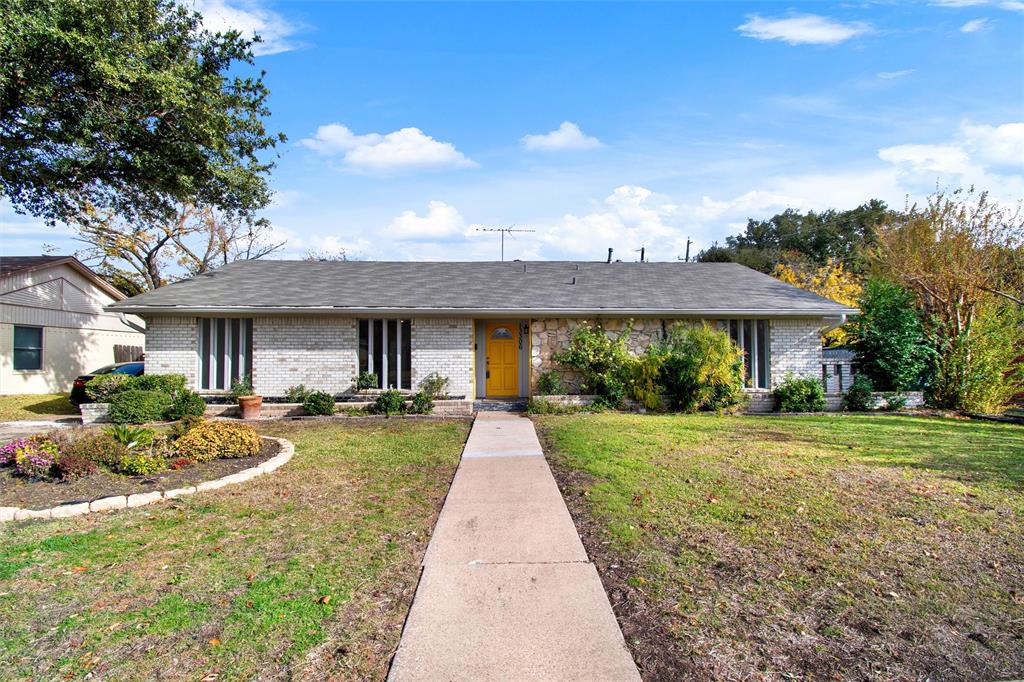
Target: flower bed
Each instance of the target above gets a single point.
(86, 464)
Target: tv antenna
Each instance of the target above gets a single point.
(504, 230)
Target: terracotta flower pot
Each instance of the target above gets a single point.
(250, 406)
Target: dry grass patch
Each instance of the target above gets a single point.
(305, 572)
(835, 547)
(35, 407)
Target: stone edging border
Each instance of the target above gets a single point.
(141, 499)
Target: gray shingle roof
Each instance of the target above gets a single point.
(485, 287)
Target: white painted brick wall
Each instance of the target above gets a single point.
(796, 349)
(443, 345)
(320, 352)
(171, 346)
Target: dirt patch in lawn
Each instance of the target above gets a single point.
(18, 491)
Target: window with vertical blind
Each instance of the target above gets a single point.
(385, 348)
(225, 351)
(752, 336)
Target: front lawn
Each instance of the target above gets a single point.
(832, 547)
(307, 572)
(35, 407)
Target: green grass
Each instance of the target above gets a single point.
(832, 547)
(26, 407)
(307, 572)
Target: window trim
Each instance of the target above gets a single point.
(214, 334)
(15, 348)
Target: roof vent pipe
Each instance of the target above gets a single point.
(643, 250)
(609, 254)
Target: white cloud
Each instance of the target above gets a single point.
(801, 29)
(1008, 5)
(1001, 145)
(974, 25)
(251, 19)
(567, 136)
(441, 221)
(401, 149)
(927, 157)
(1013, 6)
(889, 75)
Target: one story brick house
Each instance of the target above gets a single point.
(490, 327)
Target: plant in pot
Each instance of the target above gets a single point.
(249, 403)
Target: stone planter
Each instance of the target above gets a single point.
(250, 406)
(95, 413)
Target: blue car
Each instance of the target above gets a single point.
(78, 394)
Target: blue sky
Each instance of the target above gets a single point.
(616, 125)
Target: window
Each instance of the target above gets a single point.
(225, 351)
(385, 348)
(752, 338)
(501, 333)
(28, 348)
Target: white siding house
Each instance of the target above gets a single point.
(53, 326)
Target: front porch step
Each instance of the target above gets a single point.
(517, 405)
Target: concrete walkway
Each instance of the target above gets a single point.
(507, 591)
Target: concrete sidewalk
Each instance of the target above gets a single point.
(507, 591)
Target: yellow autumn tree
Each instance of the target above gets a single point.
(833, 281)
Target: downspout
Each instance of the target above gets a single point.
(128, 323)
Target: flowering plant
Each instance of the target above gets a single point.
(35, 457)
(8, 451)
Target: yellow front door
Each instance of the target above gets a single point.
(502, 359)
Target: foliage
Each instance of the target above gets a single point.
(700, 368)
(139, 407)
(179, 463)
(9, 449)
(389, 402)
(858, 397)
(550, 383)
(186, 424)
(187, 404)
(96, 446)
(813, 238)
(833, 280)
(141, 463)
(215, 439)
(980, 371)
(128, 108)
(319, 403)
(171, 384)
(297, 394)
(895, 401)
(35, 457)
(435, 386)
(131, 436)
(961, 256)
(888, 337)
(644, 379)
(242, 387)
(422, 403)
(601, 360)
(366, 380)
(544, 406)
(104, 387)
(799, 395)
(71, 466)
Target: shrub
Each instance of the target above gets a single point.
(72, 466)
(435, 386)
(389, 403)
(319, 403)
(187, 423)
(242, 387)
(179, 463)
(297, 394)
(700, 368)
(8, 450)
(858, 397)
(800, 395)
(213, 440)
(889, 337)
(601, 361)
(187, 404)
(542, 406)
(105, 386)
(139, 407)
(422, 403)
(643, 378)
(895, 401)
(96, 446)
(141, 463)
(366, 380)
(171, 384)
(36, 457)
(550, 383)
(131, 436)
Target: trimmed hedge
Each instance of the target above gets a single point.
(187, 404)
(139, 407)
(319, 403)
(800, 395)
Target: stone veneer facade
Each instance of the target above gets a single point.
(795, 344)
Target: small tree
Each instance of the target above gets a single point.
(888, 337)
(700, 368)
(832, 281)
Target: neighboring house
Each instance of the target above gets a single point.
(490, 327)
(53, 325)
